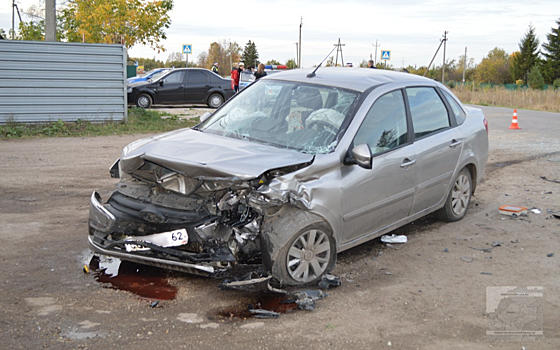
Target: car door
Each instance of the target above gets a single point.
(197, 86)
(373, 199)
(170, 88)
(437, 145)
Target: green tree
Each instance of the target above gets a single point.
(273, 62)
(535, 79)
(551, 52)
(3, 34)
(528, 55)
(291, 64)
(250, 55)
(494, 68)
(127, 22)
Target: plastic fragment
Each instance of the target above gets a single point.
(394, 239)
(328, 280)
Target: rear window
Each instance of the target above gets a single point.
(196, 77)
(428, 112)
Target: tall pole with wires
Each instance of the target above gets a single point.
(299, 48)
(443, 67)
(50, 20)
(376, 46)
(13, 17)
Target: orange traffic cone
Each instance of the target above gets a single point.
(514, 124)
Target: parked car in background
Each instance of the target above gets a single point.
(299, 167)
(148, 75)
(247, 77)
(181, 86)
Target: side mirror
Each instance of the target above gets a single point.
(161, 82)
(362, 156)
(205, 116)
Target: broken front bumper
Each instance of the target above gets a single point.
(102, 223)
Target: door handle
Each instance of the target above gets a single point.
(407, 162)
(454, 143)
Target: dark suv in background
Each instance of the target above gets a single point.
(181, 86)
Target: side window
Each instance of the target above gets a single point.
(457, 110)
(384, 127)
(196, 77)
(174, 78)
(428, 112)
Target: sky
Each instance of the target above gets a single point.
(410, 29)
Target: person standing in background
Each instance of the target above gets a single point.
(215, 68)
(235, 78)
(260, 72)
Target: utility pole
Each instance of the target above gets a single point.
(13, 17)
(376, 46)
(297, 54)
(465, 64)
(443, 67)
(339, 48)
(50, 20)
(299, 48)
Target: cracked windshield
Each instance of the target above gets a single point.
(306, 118)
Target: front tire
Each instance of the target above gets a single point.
(144, 101)
(457, 203)
(215, 100)
(307, 256)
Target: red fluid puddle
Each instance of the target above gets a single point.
(147, 282)
(277, 303)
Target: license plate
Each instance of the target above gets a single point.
(165, 239)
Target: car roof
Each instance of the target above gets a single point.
(359, 79)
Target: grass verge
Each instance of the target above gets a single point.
(536, 100)
(140, 121)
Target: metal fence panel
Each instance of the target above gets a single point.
(50, 81)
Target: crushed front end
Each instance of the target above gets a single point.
(197, 224)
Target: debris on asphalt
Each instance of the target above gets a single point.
(328, 280)
(445, 250)
(484, 250)
(535, 210)
(264, 314)
(394, 239)
(467, 259)
(86, 268)
(545, 179)
(512, 210)
(496, 244)
(486, 273)
(550, 255)
(154, 304)
(388, 273)
(556, 215)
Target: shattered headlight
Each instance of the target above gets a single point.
(178, 183)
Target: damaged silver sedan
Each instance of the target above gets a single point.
(293, 170)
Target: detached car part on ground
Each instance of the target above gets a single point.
(290, 172)
(181, 86)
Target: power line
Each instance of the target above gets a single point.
(339, 48)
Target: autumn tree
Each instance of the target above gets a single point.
(225, 53)
(494, 68)
(273, 62)
(250, 55)
(291, 64)
(177, 60)
(127, 22)
(147, 63)
(528, 55)
(551, 52)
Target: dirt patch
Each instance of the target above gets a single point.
(429, 293)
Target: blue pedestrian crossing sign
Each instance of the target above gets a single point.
(187, 48)
(385, 55)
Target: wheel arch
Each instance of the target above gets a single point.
(278, 229)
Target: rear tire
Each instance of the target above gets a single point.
(307, 256)
(215, 100)
(144, 101)
(458, 199)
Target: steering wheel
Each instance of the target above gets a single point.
(326, 126)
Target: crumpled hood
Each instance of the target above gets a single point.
(202, 155)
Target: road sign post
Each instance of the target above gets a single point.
(385, 56)
(187, 50)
